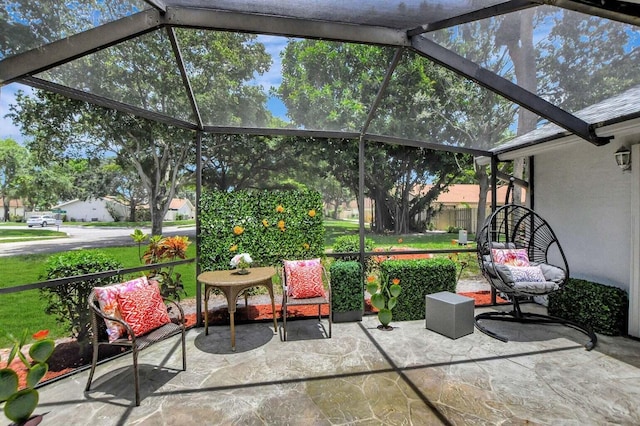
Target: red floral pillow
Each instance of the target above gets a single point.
(143, 309)
(108, 301)
(304, 278)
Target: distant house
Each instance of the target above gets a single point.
(16, 208)
(102, 209)
(457, 207)
(180, 208)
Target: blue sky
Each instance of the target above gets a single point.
(7, 96)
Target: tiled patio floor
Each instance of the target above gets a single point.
(362, 376)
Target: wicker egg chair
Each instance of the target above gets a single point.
(513, 249)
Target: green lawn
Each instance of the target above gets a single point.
(26, 309)
(13, 235)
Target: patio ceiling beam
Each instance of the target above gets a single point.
(62, 51)
(160, 5)
(265, 131)
(622, 11)
(106, 103)
(284, 26)
(488, 12)
(185, 78)
(427, 145)
(507, 89)
(383, 88)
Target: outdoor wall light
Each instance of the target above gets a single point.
(623, 158)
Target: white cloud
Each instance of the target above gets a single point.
(273, 45)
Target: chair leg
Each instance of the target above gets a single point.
(184, 352)
(284, 322)
(136, 378)
(94, 362)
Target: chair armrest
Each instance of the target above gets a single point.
(170, 305)
(99, 313)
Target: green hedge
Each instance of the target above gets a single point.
(603, 308)
(417, 279)
(248, 222)
(347, 287)
(68, 302)
(351, 244)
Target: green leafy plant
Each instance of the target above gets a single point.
(271, 225)
(68, 302)
(601, 307)
(163, 249)
(351, 244)
(139, 237)
(346, 286)
(21, 403)
(384, 297)
(419, 278)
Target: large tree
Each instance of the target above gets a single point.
(142, 72)
(332, 85)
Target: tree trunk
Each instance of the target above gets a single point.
(5, 204)
(132, 210)
(483, 181)
(522, 54)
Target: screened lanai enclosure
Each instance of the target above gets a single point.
(460, 76)
(394, 72)
(463, 77)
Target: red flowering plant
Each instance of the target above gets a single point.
(167, 249)
(21, 401)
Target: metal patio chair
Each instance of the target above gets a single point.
(302, 284)
(129, 340)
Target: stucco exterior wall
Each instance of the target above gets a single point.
(585, 197)
(87, 211)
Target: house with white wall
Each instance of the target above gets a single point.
(180, 207)
(592, 204)
(100, 209)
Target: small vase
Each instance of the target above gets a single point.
(242, 271)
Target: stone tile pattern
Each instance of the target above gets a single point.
(363, 376)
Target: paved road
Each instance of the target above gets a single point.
(83, 237)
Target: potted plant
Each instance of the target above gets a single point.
(384, 297)
(347, 291)
(20, 403)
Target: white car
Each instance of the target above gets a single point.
(41, 220)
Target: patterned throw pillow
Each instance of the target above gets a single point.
(107, 299)
(143, 309)
(532, 274)
(304, 278)
(513, 257)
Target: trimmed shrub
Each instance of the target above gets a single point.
(68, 302)
(347, 287)
(603, 308)
(351, 244)
(417, 279)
